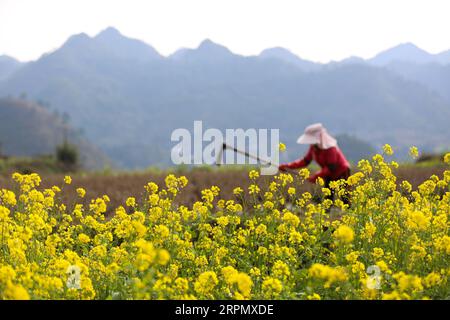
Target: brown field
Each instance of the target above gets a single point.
(120, 186)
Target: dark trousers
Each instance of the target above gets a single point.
(346, 196)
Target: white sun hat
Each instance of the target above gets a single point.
(317, 134)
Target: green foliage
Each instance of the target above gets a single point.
(430, 159)
(67, 154)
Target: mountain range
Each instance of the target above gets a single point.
(128, 98)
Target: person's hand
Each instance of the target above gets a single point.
(282, 167)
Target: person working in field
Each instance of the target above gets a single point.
(325, 151)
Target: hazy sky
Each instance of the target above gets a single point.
(319, 30)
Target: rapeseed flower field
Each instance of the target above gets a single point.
(392, 242)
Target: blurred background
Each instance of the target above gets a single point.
(89, 85)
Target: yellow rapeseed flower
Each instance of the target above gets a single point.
(81, 192)
(67, 180)
(344, 234)
(387, 149)
(413, 152)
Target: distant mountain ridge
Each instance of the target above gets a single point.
(404, 52)
(287, 56)
(408, 52)
(128, 98)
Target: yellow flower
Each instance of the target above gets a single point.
(253, 189)
(237, 191)
(84, 238)
(304, 173)
(447, 158)
(418, 221)
(67, 180)
(151, 187)
(181, 284)
(166, 248)
(355, 178)
(183, 181)
(163, 257)
(313, 296)
(329, 274)
(413, 152)
(320, 181)
(15, 292)
(223, 221)
(365, 166)
(408, 283)
(81, 192)
(344, 234)
(206, 282)
(352, 257)
(394, 295)
(253, 174)
(281, 147)
(406, 186)
(8, 197)
(171, 181)
(378, 253)
(387, 149)
(443, 244)
(369, 230)
(262, 250)
(256, 272)
(268, 205)
(432, 279)
(130, 202)
(271, 287)
(383, 266)
(4, 213)
(280, 270)
(228, 273)
(326, 192)
(291, 219)
(162, 231)
(244, 284)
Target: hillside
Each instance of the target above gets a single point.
(434, 76)
(128, 99)
(27, 129)
(355, 149)
(8, 66)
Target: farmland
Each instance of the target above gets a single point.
(226, 234)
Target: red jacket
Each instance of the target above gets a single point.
(333, 162)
